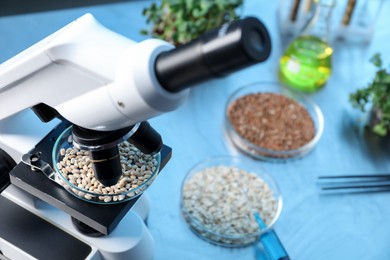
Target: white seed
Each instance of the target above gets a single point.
(88, 196)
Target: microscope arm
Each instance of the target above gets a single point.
(85, 69)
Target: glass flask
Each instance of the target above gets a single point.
(306, 63)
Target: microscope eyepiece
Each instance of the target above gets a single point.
(217, 53)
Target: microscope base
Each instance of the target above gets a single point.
(32, 228)
(44, 232)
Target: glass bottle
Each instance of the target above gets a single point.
(306, 63)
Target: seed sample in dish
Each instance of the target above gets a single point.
(76, 173)
(271, 121)
(219, 203)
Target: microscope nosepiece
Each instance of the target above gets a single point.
(104, 151)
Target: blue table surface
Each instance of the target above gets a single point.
(311, 225)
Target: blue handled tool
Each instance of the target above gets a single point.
(270, 242)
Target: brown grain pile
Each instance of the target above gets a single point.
(271, 121)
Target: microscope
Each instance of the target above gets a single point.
(104, 87)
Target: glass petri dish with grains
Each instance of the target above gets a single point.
(75, 173)
(220, 197)
(269, 122)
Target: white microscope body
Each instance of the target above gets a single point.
(84, 70)
(101, 81)
(96, 79)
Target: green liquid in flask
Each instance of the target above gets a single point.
(306, 63)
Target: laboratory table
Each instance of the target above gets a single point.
(312, 225)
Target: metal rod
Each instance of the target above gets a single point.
(387, 186)
(377, 182)
(385, 176)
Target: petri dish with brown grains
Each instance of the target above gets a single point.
(266, 121)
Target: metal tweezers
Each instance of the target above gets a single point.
(355, 183)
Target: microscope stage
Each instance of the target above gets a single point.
(101, 217)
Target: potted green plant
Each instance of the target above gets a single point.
(376, 94)
(180, 21)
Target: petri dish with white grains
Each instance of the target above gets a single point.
(220, 195)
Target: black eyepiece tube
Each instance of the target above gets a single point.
(217, 53)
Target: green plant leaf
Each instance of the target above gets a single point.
(378, 94)
(144, 32)
(376, 60)
(179, 21)
(380, 129)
